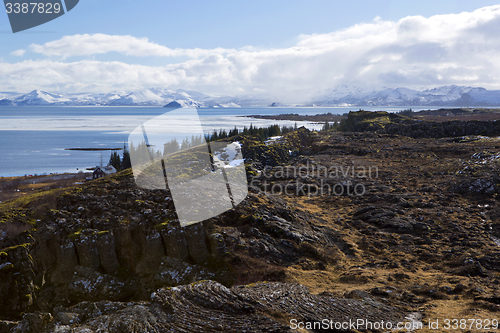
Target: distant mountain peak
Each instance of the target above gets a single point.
(452, 95)
(173, 105)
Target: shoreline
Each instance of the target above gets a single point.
(437, 115)
(36, 177)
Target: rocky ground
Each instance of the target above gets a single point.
(336, 226)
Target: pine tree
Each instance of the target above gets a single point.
(326, 126)
(115, 161)
(185, 144)
(170, 147)
(234, 131)
(214, 136)
(126, 163)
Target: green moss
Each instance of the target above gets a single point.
(366, 121)
(18, 216)
(250, 171)
(15, 247)
(381, 121)
(76, 235)
(25, 200)
(162, 226)
(256, 284)
(123, 174)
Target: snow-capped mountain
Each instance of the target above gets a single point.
(183, 104)
(442, 96)
(39, 97)
(340, 96)
(145, 97)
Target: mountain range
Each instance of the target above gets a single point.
(145, 97)
(344, 96)
(441, 96)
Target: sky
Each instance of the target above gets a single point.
(289, 50)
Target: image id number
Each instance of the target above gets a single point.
(32, 7)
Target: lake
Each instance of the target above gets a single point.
(34, 139)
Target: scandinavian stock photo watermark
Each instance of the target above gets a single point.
(312, 179)
(360, 324)
(409, 325)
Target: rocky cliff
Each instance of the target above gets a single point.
(419, 242)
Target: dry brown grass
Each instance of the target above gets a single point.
(16, 187)
(23, 203)
(252, 270)
(481, 117)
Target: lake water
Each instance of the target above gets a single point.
(33, 140)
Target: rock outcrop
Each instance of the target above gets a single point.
(208, 306)
(422, 236)
(390, 123)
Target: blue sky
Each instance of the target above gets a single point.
(281, 48)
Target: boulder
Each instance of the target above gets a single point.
(127, 250)
(89, 285)
(196, 238)
(175, 241)
(67, 260)
(86, 248)
(152, 253)
(217, 245)
(174, 272)
(106, 246)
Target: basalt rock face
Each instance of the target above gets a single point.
(94, 247)
(18, 277)
(208, 306)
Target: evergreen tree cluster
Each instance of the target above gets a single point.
(142, 153)
(173, 145)
(262, 132)
(120, 163)
(331, 126)
(406, 112)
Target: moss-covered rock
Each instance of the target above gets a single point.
(390, 123)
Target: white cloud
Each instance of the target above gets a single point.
(86, 45)
(414, 52)
(18, 53)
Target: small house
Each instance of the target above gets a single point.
(101, 171)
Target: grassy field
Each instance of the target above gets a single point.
(17, 187)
